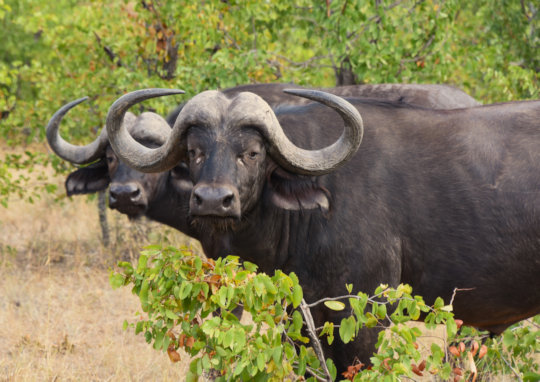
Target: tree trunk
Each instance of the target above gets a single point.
(102, 211)
(345, 75)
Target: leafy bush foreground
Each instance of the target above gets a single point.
(187, 303)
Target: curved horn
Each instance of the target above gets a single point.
(325, 160)
(292, 157)
(72, 153)
(128, 149)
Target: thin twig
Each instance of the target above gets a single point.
(458, 290)
(314, 374)
(310, 328)
(112, 56)
(511, 368)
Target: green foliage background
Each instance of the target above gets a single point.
(53, 52)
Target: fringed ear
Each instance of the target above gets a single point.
(293, 192)
(89, 179)
(180, 178)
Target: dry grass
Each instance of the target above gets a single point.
(66, 325)
(59, 318)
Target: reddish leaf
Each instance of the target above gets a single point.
(474, 347)
(352, 370)
(214, 279)
(459, 323)
(189, 342)
(181, 340)
(461, 347)
(358, 366)
(483, 351)
(173, 354)
(422, 365)
(454, 350)
(458, 371)
(416, 370)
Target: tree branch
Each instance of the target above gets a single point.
(511, 368)
(112, 56)
(458, 290)
(310, 328)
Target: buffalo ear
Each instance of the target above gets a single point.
(180, 178)
(87, 180)
(292, 192)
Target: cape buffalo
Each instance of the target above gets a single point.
(438, 199)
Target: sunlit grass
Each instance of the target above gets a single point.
(59, 318)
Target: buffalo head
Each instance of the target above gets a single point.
(131, 192)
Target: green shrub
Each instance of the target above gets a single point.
(187, 302)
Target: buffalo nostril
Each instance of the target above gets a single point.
(198, 200)
(135, 193)
(227, 201)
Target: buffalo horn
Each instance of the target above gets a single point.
(72, 153)
(321, 161)
(132, 152)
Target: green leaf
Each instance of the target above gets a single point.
(381, 311)
(158, 342)
(297, 295)
(531, 376)
(143, 295)
(347, 329)
(141, 265)
(331, 368)
(261, 361)
(116, 280)
(297, 321)
(451, 328)
(371, 320)
(139, 327)
(334, 305)
(185, 289)
(170, 314)
(250, 266)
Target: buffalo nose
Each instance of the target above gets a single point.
(218, 201)
(128, 192)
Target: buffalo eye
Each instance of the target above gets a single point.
(195, 156)
(248, 155)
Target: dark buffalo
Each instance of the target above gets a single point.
(161, 197)
(425, 95)
(438, 199)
